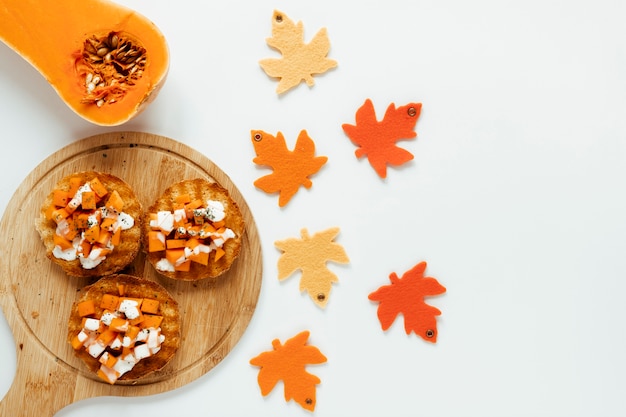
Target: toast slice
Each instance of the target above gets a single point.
(219, 260)
(120, 256)
(137, 288)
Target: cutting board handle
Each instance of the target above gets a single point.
(42, 385)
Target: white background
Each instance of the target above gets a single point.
(515, 198)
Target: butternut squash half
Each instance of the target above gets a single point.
(105, 61)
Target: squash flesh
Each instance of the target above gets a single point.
(51, 34)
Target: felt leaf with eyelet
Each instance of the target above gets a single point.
(377, 139)
(300, 61)
(287, 362)
(291, 169)
(310, 254)
(406, 295)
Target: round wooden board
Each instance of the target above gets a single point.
(36, 296)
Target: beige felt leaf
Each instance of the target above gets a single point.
(300, 61)
(310, 255)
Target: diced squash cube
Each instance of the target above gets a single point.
(184, 267)
(107, 223)
(75, 184)
(59, 214)
(119, 324)
(201, 258)
(60, 198)
(92, 234)
(81, 220)
(86, 308)
(50, 211)
(156, 241)
(116, 238)
(109, 302)
(89, 200)
(108, 360)
(218, 225)
(62, 242)
(76, 343)
(132, 332)
(107, 374)
(208, 228)
(72, 231)
(107, 336)
(151, 321)
(115, 202)
(192, 242)
(150, 306)
(175, 243)
(104, 237)
(173, 255)
(97, 187)
(183, 198)
(85, 248)
(219, 252)
(194, 204)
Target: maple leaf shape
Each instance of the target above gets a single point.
(291, 168)
(300, 61)
(287, 363)
(377, 140)
(406, 295)
(310, 255)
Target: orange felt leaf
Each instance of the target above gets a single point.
(377, 140)
(406, 295)
(310, 255)
(291, 168)
(299, 61)
(287, 363)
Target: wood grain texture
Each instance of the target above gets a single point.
(36, 295)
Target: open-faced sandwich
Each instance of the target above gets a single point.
(90, 224)
(193, 231)
(124, 327)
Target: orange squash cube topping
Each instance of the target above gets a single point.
(88, 217)
(120, 333)
(191, 232)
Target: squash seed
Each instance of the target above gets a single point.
(110, 65)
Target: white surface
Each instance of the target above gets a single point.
(515, 198)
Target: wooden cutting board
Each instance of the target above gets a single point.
(36, 296)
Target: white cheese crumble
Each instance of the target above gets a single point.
(129, 308)
(164, 265)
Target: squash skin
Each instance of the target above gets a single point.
(50, 33)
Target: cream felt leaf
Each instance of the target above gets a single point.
(300, 61)
(310, 255)
(287, 362)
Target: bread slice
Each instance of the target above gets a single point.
(204, 190)
(122, 254)
(134, 287)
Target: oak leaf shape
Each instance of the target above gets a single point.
(288, 363)
(406, 295)
(300, 61)
(377, 140)
(291, 169)
(310, 255)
